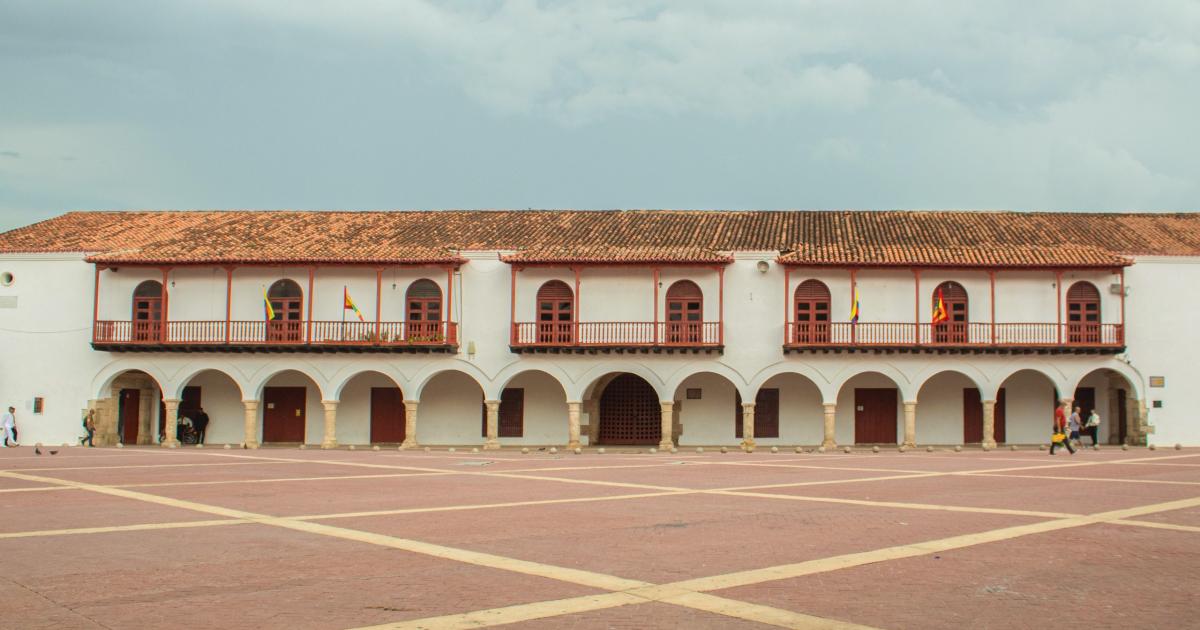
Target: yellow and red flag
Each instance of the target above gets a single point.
(939, 309)
(268, 311)
(349, 304)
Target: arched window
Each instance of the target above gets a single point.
(953, 329)
(811, 312)
(423, 309)
(1083, 313)
(555, 313)
(147, 311)
(286, 301)
(685, 313)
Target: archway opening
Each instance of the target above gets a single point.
(798, 409)
(451, 410)
(210, 410)
(370, 410)
(1029, 401)
(629, 412)
(702, 410)
(1114, 400)
(291, 410)
(130, 410)
(868, 410)
(533, 410)
(950, 411)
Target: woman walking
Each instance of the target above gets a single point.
(89, 425)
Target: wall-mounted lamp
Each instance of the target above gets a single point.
(763, 266)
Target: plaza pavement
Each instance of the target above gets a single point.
(289, 538)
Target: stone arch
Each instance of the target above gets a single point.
(338, 382)
(1059, 380)
(986, 389)
(1030, 395)
(102, 382)
(1119, 402)
(429, 372)
(450, 405)
(192, 371)
(1132, 377)
(263, 377)
(219, 393)
(497, 384)
(907, 391)
(137, 425)
(827, 389)
(881, 421)
(584, 386)
(675, 380)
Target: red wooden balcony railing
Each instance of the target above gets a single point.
(822, 334)
(243, 333)
(580, 334)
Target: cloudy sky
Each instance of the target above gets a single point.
(370, 104)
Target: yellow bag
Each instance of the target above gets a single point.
(1058, 438)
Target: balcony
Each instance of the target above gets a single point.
(670, 337)
(955, 337)
(276, 336)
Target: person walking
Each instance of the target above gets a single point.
(89, 425)
(200, 424)
(1060, 429)
(1075, 423)
(1093, 427)
(8, 426)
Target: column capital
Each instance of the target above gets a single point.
(330, 404)
(666, 405)
(492, 402)
(171, 401)
(748, 405)
(910, 402)
(829, 406)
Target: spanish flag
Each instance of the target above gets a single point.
(267, 302)
(939, 309)
(349, 304)
(854, 308)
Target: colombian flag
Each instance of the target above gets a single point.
(939, 310)
(349, 304)
(854, 308)
(267, 302)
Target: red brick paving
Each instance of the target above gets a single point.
(250, 575)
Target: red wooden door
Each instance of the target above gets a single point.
(131, 414)
(875, 416)
(424, 311)
(387, 415)
(811, 313)
(766, 414)
(283, 414)
(147, 315)
(512, 412)
(685, 314)
(630, 412)
(954, 329)
(287, 326)
(1083, 314)
(973, 417)
(556, 314)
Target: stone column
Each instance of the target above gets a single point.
(250, 428)
(910, 423)
(493, 425)
(747, 425)
(668, 409)
(574, 409)
(830, 440)
(147, 427)
(410, 424)
(1135, 421)
(989, 424)
(106, 421)
(329, 440)
(592, 409)
(171, 408)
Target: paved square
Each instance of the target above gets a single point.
(275, 538)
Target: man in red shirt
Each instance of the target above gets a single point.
(1060, 426)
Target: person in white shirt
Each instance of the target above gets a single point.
(8, 423)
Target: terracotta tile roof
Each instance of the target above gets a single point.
(632, 236)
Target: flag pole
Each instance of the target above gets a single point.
(345, 291)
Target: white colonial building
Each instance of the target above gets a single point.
(588, 328)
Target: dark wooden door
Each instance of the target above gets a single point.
(1085, 399)
(1122, 420)
(953, 330)
(875, 416)
(387, 415)
(973, 417)
(1083, 314)
(630, 412)
(287, 326)
(766, 413)
(283, 414)
(131, 405)
(811, 313)
(556, 314)
(512, 412)
(685, 313)
(147, 318)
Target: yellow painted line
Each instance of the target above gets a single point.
(484, 506)
(1156, 525)
(1088, 479)
(895, 504)
(796, 484)
(127, 466)
(514, 614)
(40, 489)
(835, 563)
(121, 528)
(758, 612)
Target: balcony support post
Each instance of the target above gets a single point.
(788, 334)
(378, 311)
(1058, 307)
(165, 305)
(95, 306)
(449, 315)
(308, 324)
(655, 276)
(916, 306)
(578, 307)
(720, 308)
(992, 303)
(228, 301)
(1121, 337)
(512, 307)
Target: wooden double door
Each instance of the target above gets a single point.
(875, 416)
(766, 413)
(630, 412)
(973, 417)
(284, 414)
(387, 415)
